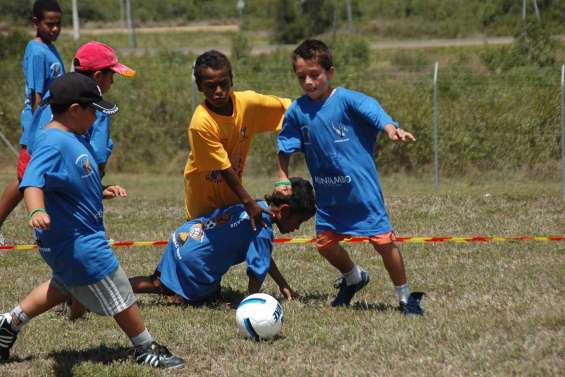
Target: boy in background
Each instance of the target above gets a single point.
(336, 129)
(220, 133)
(41, 65)
(63, 194)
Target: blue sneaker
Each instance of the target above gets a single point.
(412, 307)
(346, 292)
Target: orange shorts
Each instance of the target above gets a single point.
(329, 239)
(23, 160)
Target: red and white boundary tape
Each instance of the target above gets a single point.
(303, 240)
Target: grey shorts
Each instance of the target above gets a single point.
(109, 296)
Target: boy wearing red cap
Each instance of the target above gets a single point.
(98, 61)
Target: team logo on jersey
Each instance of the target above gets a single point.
(56, 69)
(181, 237)
(306, 135)
(83, 163)
(214, 176)
(341, 132)
(196, 232)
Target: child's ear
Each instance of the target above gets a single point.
(284, 210)
(35, 21)
(330, 72)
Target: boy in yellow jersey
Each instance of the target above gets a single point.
(220, 133)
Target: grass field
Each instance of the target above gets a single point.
(492, 309)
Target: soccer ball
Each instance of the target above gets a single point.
(259, 316)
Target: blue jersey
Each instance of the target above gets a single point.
(202, 250)
(75, 245)
(98, 135)
(338, 137)
(42, 64)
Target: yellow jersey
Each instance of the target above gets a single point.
(218, 142)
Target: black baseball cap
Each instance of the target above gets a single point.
(75, 87)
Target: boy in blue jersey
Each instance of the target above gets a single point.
(41, 65)
(63, 194)
(336, 129)
(203, 249)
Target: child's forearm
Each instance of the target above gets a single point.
(34, 198)
(277, 276)
(235, 185)
(283, 166)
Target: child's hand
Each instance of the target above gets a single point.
(284, 190)
(398, 134)
(255, 212)
(114, 191)
(40, 220)
(289, 294)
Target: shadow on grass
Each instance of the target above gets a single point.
(379, 307)
(65, 360)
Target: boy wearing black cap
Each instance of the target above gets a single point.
(63, 181)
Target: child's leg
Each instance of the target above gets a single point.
(392, 259)
(394, 264)
(354, 278)
(41, 299)
(11, 197)
(131, 322)
(338, 257)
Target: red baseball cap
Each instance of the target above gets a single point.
(95, 56)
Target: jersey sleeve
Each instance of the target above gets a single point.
(45, 169)
(370, 110)
(35, 73)
(259, 254)
(266, 112)
(289, 139)
(99, 139)
(206, 147)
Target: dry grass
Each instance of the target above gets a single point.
(492, 309)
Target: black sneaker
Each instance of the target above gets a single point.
(412, 306)
(157, 356)
(346, 292)
(7, 338)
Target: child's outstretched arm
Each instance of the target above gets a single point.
(251, 207)
(398, 134)
(278, 277)
(35, 204)
(283, 185)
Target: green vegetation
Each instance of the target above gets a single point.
(492, 308)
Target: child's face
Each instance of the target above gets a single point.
(314, 79)
(104, 80)
(49, 27)
(82, 118)
(216, 86)
(287, 222)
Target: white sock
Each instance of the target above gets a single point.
(353, 276)
(18, 318)
(403, 292)
(141, 339)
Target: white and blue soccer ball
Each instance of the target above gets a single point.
(259, 316)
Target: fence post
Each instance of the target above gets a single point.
(76, 22)
(131, 33)
(434, 125)
(563, 131)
